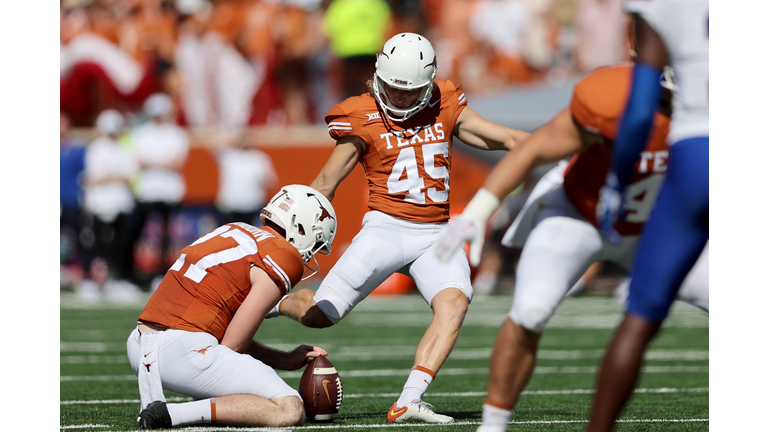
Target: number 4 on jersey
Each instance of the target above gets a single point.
(412, 183)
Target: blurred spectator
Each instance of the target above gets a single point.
(108, 200)
(323, 89)
(218, 82)
(407, 16)
(456, 50)
(500, 26)
(71, 166)
(563, 15)
(238, 63)
(517, 37)
(96, 70)
(245, 176)
(357, 30)
(260, 46)
(302, 54)
(540, 36)
(161, 148)
(604, 43)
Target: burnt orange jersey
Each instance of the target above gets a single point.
(208, 283)
(407, 164)
(597, 104)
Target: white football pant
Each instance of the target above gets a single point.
(557, 252)
(559, 249)
(194, 364)
(383, 246)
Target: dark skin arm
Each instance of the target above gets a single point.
(649, 46)
(621, 364)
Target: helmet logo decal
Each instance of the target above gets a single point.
(325, 213)
(383, 53)
(434, 62)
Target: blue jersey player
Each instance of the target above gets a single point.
(674, 33)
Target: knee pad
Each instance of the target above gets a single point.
(330, 311)
(532, 318)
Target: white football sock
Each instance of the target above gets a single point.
(417, 384)
(495, 415)
(275, 311)
(195, 412)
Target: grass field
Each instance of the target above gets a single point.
(373, 350)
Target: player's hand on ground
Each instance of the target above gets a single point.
(610, 208)
(300, 356)
(454, 234)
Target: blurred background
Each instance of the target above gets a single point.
(180, 115)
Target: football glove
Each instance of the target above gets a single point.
(610, 207)
(469, 226)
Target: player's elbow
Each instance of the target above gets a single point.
(241, 347)
(515, 139)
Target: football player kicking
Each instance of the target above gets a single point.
(402, 133)
(195, 335)
(674, 32)
(557, 226)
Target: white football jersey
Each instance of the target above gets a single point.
(684, 27)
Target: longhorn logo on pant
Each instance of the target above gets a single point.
(148, 365)
(202, 351)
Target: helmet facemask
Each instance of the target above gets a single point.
(322, 246)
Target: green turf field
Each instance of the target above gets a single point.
(373, 350)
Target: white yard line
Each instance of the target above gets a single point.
(457, 394)
(405, 425)
(405, 372)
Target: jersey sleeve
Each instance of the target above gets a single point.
(282, 263)
(454, 96)
(341, 123)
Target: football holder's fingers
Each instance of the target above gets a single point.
(318, 352)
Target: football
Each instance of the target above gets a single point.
(320, 387)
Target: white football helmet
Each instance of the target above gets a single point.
(308, 219)
(406, 62)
